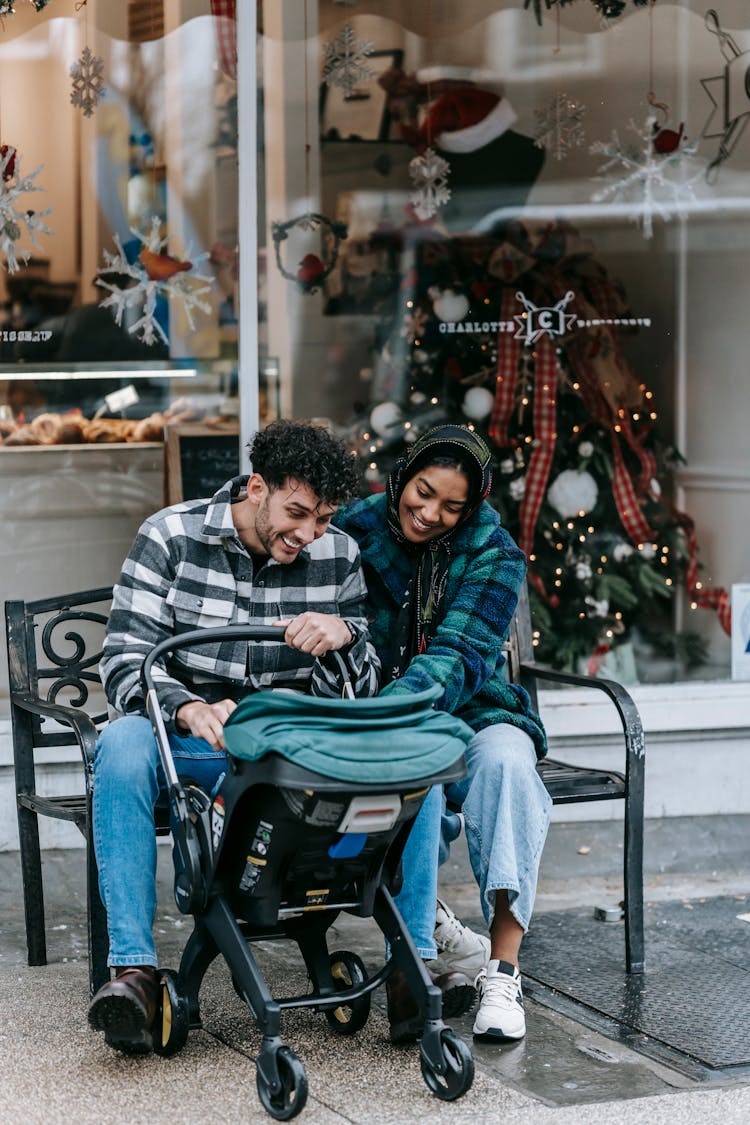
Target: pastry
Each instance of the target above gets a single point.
(102, 430)
(48, 428)
(24, 435)
(149, 429)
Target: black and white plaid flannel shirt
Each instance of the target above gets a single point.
(188, 569)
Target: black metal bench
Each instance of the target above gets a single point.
(54, 647)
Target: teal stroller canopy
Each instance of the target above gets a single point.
(393, 738)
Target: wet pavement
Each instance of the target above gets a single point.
(52, 1068)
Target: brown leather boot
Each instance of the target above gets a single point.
(125, 1009)
(404, 1015)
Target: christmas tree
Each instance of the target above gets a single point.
(520, 335)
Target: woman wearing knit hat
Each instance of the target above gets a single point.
(443, 578)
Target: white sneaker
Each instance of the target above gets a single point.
(500, 1014)
(459, 948)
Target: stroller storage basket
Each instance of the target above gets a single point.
(309, 820)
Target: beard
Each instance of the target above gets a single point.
(268, 535)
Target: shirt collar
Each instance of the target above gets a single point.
(218, 523)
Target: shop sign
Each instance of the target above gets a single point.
(536, 321)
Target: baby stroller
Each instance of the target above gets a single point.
(310, 820)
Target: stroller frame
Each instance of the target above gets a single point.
(341, 987)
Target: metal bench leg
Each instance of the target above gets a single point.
(633, 867)
(97, 920)
(33, 888)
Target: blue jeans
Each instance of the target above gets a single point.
(128, 783)
(506, 813)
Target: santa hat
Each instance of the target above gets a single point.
(466, 119)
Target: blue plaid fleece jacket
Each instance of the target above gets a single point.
(465, 655)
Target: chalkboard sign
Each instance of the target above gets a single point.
(200, 457)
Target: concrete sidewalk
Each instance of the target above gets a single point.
(53, 1069)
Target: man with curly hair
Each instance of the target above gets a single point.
(260, 550)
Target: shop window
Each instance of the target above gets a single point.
(118, 286)
(119, 249)
(569, 281)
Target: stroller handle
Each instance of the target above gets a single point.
(194, 637)
(206, 636)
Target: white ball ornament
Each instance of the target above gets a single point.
(478, 403)
(383, 417)
(451, 306)
(572, 493)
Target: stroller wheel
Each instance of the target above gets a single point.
(456, 1073)
(290, 1097)
(348, 971)
(172, 1019)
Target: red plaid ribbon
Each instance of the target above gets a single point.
(508, 354)
(226, 34)
(603, 408)
(716, 598)
(626, 501)
(540, 463)
(545, 436)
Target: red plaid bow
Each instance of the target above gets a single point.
(226, 34)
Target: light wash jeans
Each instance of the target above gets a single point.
(506, 813)
(128, 783)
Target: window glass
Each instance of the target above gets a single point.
(533, 221)
(118, 286)
(119, 244)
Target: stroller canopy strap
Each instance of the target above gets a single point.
(393, 738)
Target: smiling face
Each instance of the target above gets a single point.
(285, 519)
(432, 502)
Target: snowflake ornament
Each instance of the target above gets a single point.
(155, 273)
(13, 219)
(645, 178)
(560, 126)
(7, 7)
(346, 61)
(429, 173)
(88, 87)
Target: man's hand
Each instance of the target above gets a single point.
(205, 720)
(316, 633)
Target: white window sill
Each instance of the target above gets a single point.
(664, 708)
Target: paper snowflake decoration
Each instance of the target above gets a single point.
(13, 218)
(645, 174)
(560, 126)
(346, 63)
(155, 273)
(88, 87)
(7, 8)
(428, 173)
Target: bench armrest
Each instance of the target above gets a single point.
(635, 743)
(83, 727)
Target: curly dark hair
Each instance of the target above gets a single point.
(307, 453)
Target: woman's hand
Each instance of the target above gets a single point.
(316, 633)
(205, 720)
